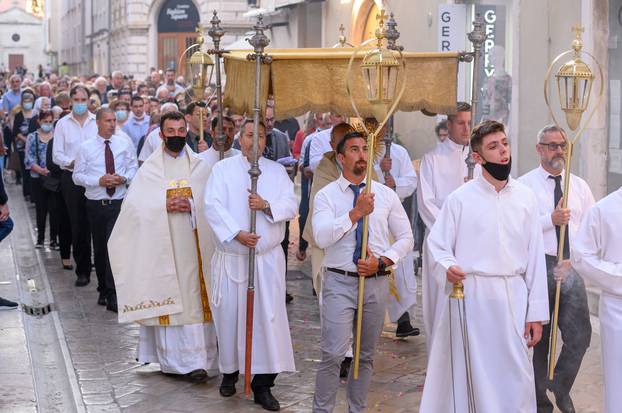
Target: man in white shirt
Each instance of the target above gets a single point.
(487, 237)
(169, 85)
(70, 133)
(320, 141)
(138, 123)
(227, 204)
(212, 154)
(153, 140)
(442, 171)
(105, 164)
(546, 181)
(397, 172)
(596, 253)
(338, 212)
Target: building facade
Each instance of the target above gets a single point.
(21, 36)
(134, 36)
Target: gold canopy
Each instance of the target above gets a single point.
(302, 80)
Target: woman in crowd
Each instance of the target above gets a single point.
(21, 126)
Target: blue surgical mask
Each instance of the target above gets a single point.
(27, 105)
(121, 115)
(46, 127)
(79, 108)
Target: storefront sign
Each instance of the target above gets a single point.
(178, 16)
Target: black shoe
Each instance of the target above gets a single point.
(564, 403)
(288, 298)
(67, 267)
(7, 304)
(267, 400)
(405, 329)
(83, 280)
(227, 386)
(345, 367)
(39, 245)
(101, 300)
(54, 245)
(196, 376)
(111, 305)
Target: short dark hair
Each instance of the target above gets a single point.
(441, 125)
(251, 120)
(224, 119)
(460, 107)
(193, 105)
(340, 130)
(77, 88)
(341, 146)
(45, 114)
(136, 98)
(174, 115)
(484, 128)
(102, 111)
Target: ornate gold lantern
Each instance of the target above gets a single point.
(200, 64)
(381, 68)
(574, 84)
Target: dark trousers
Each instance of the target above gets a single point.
(80, 230)
(576, 333)
(41, 198)
(24, 173)
(60, 227)
(303, 211)
(103, 216)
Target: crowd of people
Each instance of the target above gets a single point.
(160, 210)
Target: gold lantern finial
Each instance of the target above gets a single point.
(574, 83)
(380, 69)
(199, 63)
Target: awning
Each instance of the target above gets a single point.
(302, 80)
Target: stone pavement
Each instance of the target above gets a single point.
(107, 377)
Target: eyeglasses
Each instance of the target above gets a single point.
(555, 146)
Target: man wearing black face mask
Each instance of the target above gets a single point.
(155, 254)
(487, 236)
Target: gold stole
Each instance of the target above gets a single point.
(182, 189)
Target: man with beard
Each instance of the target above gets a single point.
(338, 213)
(574, 319)
(487, 237)
(169, 85)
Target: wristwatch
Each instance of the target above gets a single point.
(266, 209)
(382, 266)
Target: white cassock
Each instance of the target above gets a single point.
(151, 144)
(498, 244)
(153, 256)
(442, 171)
(320, 144)
(405, 177)
(227, 212)
(596, 253)
(211, 155)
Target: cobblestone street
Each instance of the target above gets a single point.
(104, 376)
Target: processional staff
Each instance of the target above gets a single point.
(259, 41)
(574, 87)
(216, 33)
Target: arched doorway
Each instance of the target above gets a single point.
(176, 23)
(364, 22)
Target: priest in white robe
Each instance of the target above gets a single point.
(397, 172)
(442, 171)
(495, 249)
(596, 254)
(227, 203)
(155, 256)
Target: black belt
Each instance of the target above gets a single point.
(104, 202)
(356, 274)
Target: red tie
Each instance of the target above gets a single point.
(109, 165)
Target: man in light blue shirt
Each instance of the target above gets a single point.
(12, 98)
(137, 125)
